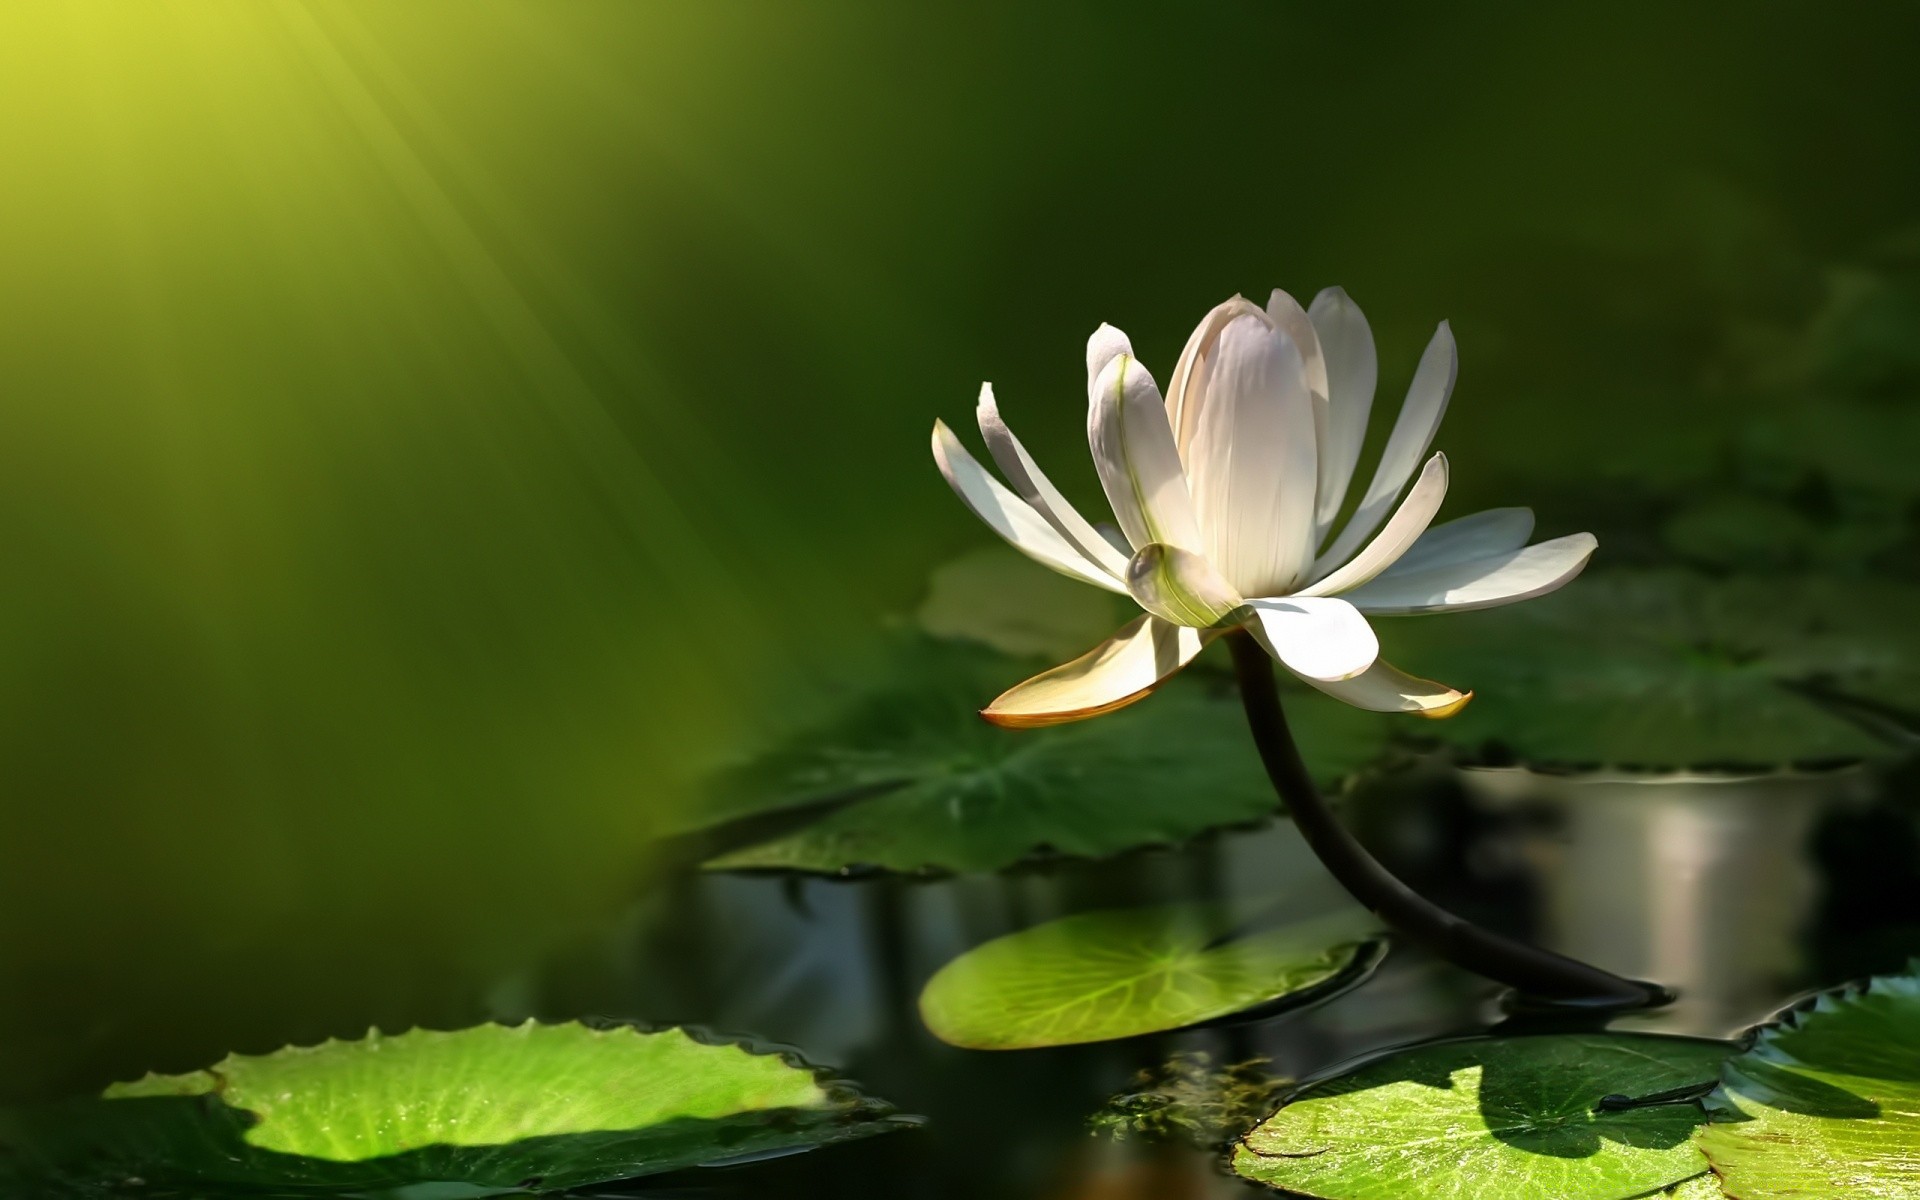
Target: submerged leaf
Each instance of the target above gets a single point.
(1105, 975)
(950, 792)
(1492, 1119)
(1826, 1102)
(1669, 669)
(534, 1107)
(1192, 1099)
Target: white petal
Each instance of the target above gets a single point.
(1480, 582)
(1113, 674)
(1033, 486)
(1252, 458)
(1105, 343)
(1179, 586)
(1492, 531)
(1009, 515)
(1133, 451)
(1398, 536)
(1192, 366)
(1318, 638)
(1346, 344)
(1412, 433)
(1384, 687)
(1285, 312)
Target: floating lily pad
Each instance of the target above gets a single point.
(1120, 973)
(495, 1109)
(1493, 1119)
(1668, 669)
(951, 792)
(1826, 1102)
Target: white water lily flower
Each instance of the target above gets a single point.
(1228, 493)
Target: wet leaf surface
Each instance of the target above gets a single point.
(1490, 1119)
(493, 1109)
(1827, 1100)
(953, 793)
(1104, 975)
(1668, 669)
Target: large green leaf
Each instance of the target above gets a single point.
(1826, 1102)
(1668, 669)
(1120, 973)
(493, 1108)
(1493, 1119)
(954, 793)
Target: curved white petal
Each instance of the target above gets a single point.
(1285, 312)
(1118, 671)
(1412, 433)
(1033, 486)
(1009, 515)
(1191, 366)
(1384, 687)
(1105, 343)
(1133, 452)
(1317, 637)
(1395, 539)
(1251, 460)
(1477, 535)
(1180, 586)
(1353, 370)
(1480, 582)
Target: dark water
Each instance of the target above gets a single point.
(1741, 893)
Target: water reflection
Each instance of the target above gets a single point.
(1713, 886)
(1702, 882)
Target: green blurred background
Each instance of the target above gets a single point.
(429, 431)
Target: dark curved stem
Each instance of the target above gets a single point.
(1532, 971)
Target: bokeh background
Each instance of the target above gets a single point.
(431, 432)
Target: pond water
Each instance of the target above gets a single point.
(1741, 893)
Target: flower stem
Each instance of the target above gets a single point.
(1528, 969)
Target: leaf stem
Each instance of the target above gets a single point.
(1528, 969)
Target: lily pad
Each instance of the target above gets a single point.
(1826, 1101)
(1669, 669)
(949, 792)
(1100, 976)
(494, 1109)
(1494, 1119)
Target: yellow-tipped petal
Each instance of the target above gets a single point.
(1384, 687)
(1112, 675)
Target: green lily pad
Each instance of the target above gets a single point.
(1100, 976)
(1668, 669)
(494, 1109)
(1826, 1102)
(1493, 1119)
(952, 793)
